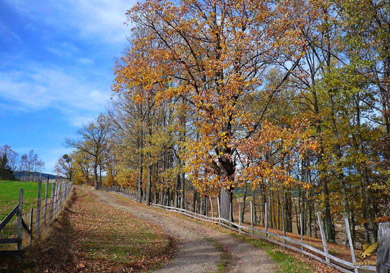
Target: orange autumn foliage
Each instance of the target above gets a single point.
(214, 55)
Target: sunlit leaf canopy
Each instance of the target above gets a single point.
(215, 55)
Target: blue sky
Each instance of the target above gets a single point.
(56, 69)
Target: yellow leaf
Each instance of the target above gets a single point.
(368, 250)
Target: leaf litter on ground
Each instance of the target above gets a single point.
(92, 237)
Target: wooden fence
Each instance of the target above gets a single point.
(16, 229)
(321, 255)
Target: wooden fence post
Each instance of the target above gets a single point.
(38, 209)
(57, 200)
(46, 196)
(31, 224)
(19, 221)
(383, 253)
(61, 195)
(251, 205)
(323, 238)
(266, 219)
(63, 190)
(53, 186)
(348, 230)
(60, 192)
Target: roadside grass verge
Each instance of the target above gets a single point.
(224, 257)
(286, 263)
(94, 237)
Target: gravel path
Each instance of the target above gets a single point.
(200, 248)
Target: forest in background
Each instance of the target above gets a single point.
(284, 102)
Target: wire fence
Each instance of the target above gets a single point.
(24, 221)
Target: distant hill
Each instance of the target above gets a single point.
(35, 176)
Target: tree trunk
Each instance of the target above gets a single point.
(149, 186)
(279, 213)
(243, 203)
(297, 217)
(140, 174)
(367, 210)
(287, 210)
(206, 207)
(95, 172)
(270, 210)
(339, 155)
(100, 176)
(328, 217)
(183, 188)
(183, 116)
(195, 197)
(177, 191)
(323, 179)
(226, 201)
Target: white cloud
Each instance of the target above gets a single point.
(36, 88)
(98, 18)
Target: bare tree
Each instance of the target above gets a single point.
(12, 156)
(94, 141)
(64, 167)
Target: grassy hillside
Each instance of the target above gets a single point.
(9, 194)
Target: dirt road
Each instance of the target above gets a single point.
(200, 248)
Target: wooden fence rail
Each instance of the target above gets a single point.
(299, 246)
(57, 202)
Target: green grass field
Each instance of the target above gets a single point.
(9, 194)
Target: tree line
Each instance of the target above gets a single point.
(23, 167)
(278, 102)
